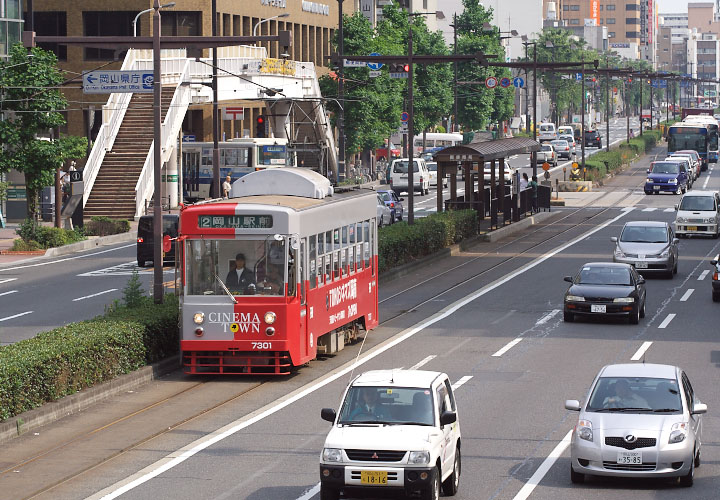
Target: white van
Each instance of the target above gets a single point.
(547, 132)
(698, 213)
(399, 176)
(566, 130)
(397, 431)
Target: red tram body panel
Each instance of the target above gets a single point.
(283, 271)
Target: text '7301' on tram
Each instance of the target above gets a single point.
(283, 270)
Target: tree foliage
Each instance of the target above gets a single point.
(32, 103)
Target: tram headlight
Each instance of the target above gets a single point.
(199, 318)
(270, 317)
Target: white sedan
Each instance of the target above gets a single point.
(432, 168)
(384, 214)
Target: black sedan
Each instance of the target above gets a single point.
(605, 288)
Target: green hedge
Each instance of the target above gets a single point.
(104, 226)
(63, 361)
(401, 243)
(35, 235)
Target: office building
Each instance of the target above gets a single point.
(10, 25)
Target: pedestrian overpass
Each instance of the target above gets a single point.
(119, 172)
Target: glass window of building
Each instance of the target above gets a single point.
(51, 24)
(180, 23)
(103, 23)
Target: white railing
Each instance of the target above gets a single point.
(170, 130)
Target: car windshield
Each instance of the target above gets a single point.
(644, 234)
(387, 405)
(665, 168)
(700, 203)
(432, 167)
(594, 275)
(385, 196)
(562, 144)
(401, 167)
(635, 394)
(546, 147)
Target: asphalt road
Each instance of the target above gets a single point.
(494, 320)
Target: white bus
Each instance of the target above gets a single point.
(435, 141)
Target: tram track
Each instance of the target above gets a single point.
(188, 391)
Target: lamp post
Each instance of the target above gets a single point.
(341, 107)
(257, 24)
(553, 104)
(168, 5)
(157, 157)
(533, 159)
(607, 102)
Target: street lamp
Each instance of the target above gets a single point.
(582, 111)
(266, 20)
(527, 113)
(169, 5)
(553, 96)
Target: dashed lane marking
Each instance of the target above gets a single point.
(641, 351)
(95, 294)
(703, 275)
(8, 293)
(666, 321)
(460, 382)
(535, 479)
(507, 347)
(547, 317)
(417, 365)
(7, 280)
(687, 294)
(649, 209)
(669, 209)
(15, 316)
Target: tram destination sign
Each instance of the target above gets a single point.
(235, 221)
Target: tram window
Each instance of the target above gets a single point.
(336, 238)
(344, 262)
(301, 269)
(373, 235)
(336, 265)
(366, 242)
(358, 257)
(351, 233)
(328, 242)
(320, 244)
(328, 268)
(344, 236)
(313, 257)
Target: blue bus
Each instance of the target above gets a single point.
(698, 134)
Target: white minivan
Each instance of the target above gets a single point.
(698, 213)
(399, 176)
(547, 132)
(397, 431)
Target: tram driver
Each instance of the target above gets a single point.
(241, 278)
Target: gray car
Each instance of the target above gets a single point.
(640, 420)
(650, 246)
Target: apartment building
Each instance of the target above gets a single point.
(704, 59)
(664, 49)
(10, 25)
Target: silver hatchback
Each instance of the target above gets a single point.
(650, 246)
(640, 420)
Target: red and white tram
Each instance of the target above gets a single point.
(282, 271)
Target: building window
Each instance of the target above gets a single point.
(12, 9)
(665, 50)
(632, 6)
(632, 34)
(575, 7)
(611, 34)
(51, 24)
(574, 21)
(425, 4)
(181, 23)
(102, 23)
(601, 7)
(566, 7)
(632, 20)
(610, 20)
(610, 6)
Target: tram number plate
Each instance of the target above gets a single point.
(262, 345)
(378, 477)
(629, 457)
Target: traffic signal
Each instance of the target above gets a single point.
(260, 127)
(399, 68)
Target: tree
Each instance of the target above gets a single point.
(32, 103)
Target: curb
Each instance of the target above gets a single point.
(75, 403)
(90, 244)
(516, 226)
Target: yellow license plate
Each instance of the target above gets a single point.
(376, 477)
(692, 228)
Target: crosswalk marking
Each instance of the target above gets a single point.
(649, 209)
(669, 209)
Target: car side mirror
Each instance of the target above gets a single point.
(448, 417)
(572, 405)
(641, 280)
(402, 199)
(676, 207)
(613, 239)
(648, 170)
(699, 409)
(676, 241)
(328, 414)
(568, 279)
(713, 262)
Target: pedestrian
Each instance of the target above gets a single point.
(524, 181)
(226, 187)
(534, 186)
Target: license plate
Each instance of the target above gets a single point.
(656, 188)
(597, 308)
(692, 228)
(376, 477)
(629, 457)
(641, 265)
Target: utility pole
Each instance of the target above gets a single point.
(533, 156)
(341, 99)
(216, 132)
(455, 82)
(642, 80)
(157, 150)
(582, 114)
(627, 114)
(607, 103)
(411, 128)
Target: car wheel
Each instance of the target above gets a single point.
(697, 459)
(634, 317)
(642, 311)
(687, 480)
(716, 296)
(679, 190)
(576, 477)
(450, 485)
(715, 236)
(568, 317)
(433, 491)
(327, 493)
(141, 263)
(675, 267)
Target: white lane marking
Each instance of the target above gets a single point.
(179, 456)
(309, 493)
(7, 280)
(15, 316)
(669, 209)
(8, 293)
(687, 294)
(503, 317)
(666, 321)
(707, 178)
(649, 209)
(547, 317)
(639, 353)
(507, 347)
(95, 294)
(535, 479)
(703, 275)
(417, 365)
(65, 260)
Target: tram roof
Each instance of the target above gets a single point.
(283, 181)
(297, 203)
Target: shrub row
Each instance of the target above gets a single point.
(624, 154)
(36, 237)
(104, 226)
(401, 243)
(71, 358)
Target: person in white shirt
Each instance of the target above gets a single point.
(524, 181)
(226, 187)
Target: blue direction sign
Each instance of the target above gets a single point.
(375, 66)
(404, 116)
(578, 77)
(107, 82)
(518, 82)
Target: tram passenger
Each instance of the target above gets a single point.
(240, 278)
(273, 282)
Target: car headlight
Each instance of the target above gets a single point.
(332, 454)
(624, 300)
(709, 220)
(584, 430)
(672, 181)
(198, 318)
(665, 253)
(678, 433)
(619, 253)
(270, 317)
(574, 298)
(680, 220)
(419, 457)
(649, 180)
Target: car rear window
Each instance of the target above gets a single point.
(401, 167)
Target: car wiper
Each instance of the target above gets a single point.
(410, 423)
(666, 410)
(225, 288)
(620, 410)
(362, 422)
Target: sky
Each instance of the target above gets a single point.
(674, 5)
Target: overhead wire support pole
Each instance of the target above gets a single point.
(411, 130)
(582, 114)
(341, 93)
(455, 128)
(533, 155)
(607, 103)
(157, 149)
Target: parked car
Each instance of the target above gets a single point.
(145, 237)
(393, 202)
(686, 164)
(698, 213)
(562, 148)
(432, 169)
(508, 173)
(649, 246)
(384, 214)
(397, 432)
(571, 142)
(715, 279)
(607, 289)
(694, 165)
(547, 154)
(593, 139)
(666, 176)
(547, 132)
(640, 420)
(399, 176)
(697, 157)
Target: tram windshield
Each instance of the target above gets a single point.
(244, 267)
